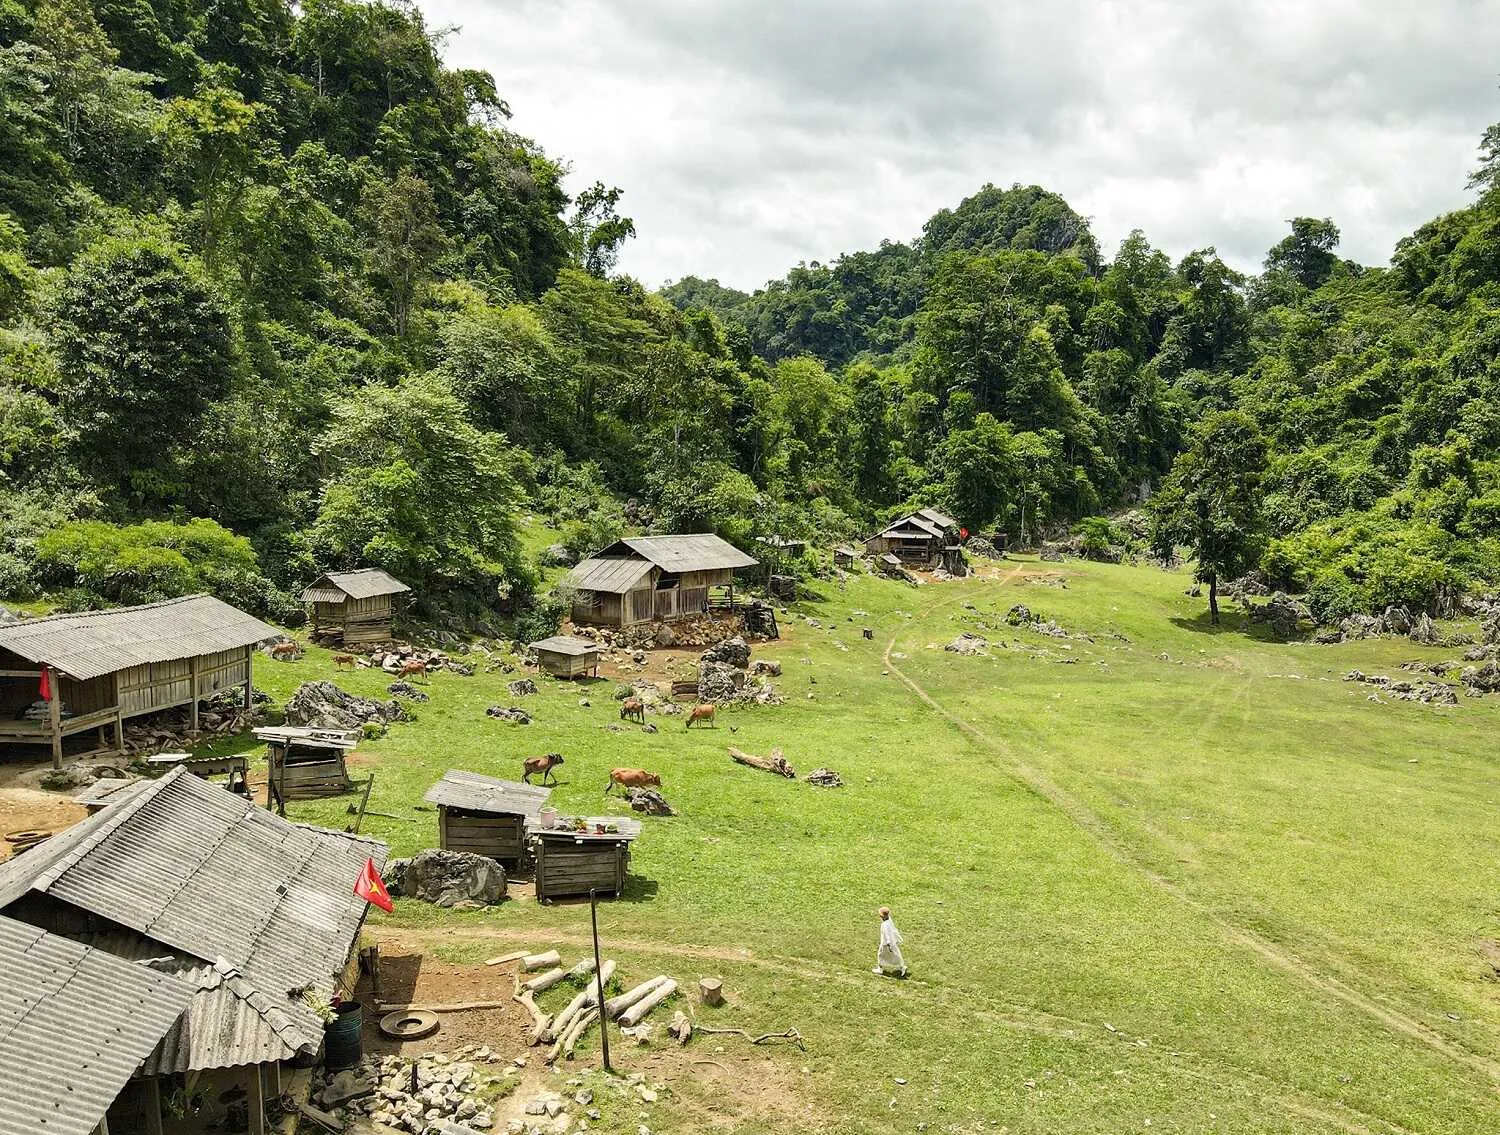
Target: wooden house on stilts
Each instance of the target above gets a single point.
(353, 608)
(645, 578)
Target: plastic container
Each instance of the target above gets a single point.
(343, 1040)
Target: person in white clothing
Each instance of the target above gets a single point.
(888, 959)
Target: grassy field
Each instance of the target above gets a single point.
(1173, 879)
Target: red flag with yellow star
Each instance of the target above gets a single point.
(370, 887)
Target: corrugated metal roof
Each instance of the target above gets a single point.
(92, 643)
(469, 790)
(942, 520)
(75, 1022)
(110, 790)
(210, 875)
(700, 551)
(228, 1022)
(362, 583)
(566, 644)
(614, 575)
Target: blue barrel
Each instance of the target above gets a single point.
(343, 1042)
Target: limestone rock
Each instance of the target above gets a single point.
(650, 801)
(322, 705)
(521, 687)
(446, 878)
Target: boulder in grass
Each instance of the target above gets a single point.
(322, 705)
(650, 801)
(446, 878)
(824, 778)
(521, 687)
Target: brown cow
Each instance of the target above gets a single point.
(343, 660)
(702, 712)
(414, 667)
(631, 778)
(285, 650)
(633, 709)
(543, 765)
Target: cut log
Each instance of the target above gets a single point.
(584, 999)
(681, 1027)
(617, 1005)
(569, 1038)
(582, 969)
(633, 1015)
(531, 962)
(445, 1007)
(774, 763)
(503, 958)
(539, 1019)
(711, 991)
(544, 980)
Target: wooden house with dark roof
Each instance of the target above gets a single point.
(104, 667)
(645, 578)
(918, 539)
(353, 608)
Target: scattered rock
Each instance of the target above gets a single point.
(521, 687)
(824, 778)
(1280, 612)
(767, 666)
(967, 643)
(406, 690)
(650, 801)
(1429, 693)
(446, 878)
(512, 714)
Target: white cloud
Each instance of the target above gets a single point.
(751, 136)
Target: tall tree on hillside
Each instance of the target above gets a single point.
(1306, 255)
(405, 241)
(599, 230)
(1211, 501)
(144, 347)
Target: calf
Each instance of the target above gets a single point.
(414, 667)
(703, 712)
(285, 650)
(343, 660)
(633, 709)
(632, 778)
(543, 765)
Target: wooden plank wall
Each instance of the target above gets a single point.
(221, 671)
(157, 685)
(481, 833)
(577, 868)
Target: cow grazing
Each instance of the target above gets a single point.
(632, 778)
(542, 766)
(633, 709)
(704, 712)
(343, 660)
(285, 650)
(415, 667)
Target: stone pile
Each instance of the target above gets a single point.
(521, 687)
(512, 714)
(393, 657)
(1481, 680)
(224, 713)
(447, 878)
(406, 690)
(1022, 616)
(967, 643)
(1428, 693)
(454, 1094)
(824, 778)
(1280, 612)
(650, 801)
(723, 676)
(979, 546)
(322, 705)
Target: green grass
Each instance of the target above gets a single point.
(1139, 894)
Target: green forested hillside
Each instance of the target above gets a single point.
(279, 291)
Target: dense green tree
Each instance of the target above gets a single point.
(1211, 502)
(1306, 255)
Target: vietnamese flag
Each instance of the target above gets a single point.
(371, 888)
(45, 689)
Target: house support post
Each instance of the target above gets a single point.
(152, 1106)
(249, 675)
(256, 1093)
(54, 718)
(193, 704)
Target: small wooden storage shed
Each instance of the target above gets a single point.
(574, 863)
(105, 666)
(353, 608)
(306, 763)
(485, 816)
(642, 578)
(564, 656)
(917, 539)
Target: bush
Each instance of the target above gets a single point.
(540, 618)
(97, 564)
(1096, 536)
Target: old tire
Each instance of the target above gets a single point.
(411, 1024)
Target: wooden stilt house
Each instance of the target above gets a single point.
(642, 578)
(353, 608)
(103, 667)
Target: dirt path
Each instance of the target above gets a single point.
(1100, 831)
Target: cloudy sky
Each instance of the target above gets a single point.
(751, 134)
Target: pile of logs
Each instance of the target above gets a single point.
(564, 1030)
(774, 763)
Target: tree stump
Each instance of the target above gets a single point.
(711, 991)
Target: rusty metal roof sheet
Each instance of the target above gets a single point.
(75, 1022)
(700, 551)
(209, 875)
(362, 583)
(614, 575)
(92, 643)
(475, 793)
(566, 644)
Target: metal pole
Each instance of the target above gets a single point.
(599, 977)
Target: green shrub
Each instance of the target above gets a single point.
(540, 618)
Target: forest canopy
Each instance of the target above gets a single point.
(282, 292)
